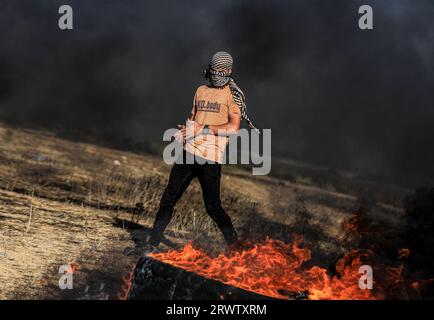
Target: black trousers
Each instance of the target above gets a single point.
(180, 177)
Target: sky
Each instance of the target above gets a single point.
(332, 94)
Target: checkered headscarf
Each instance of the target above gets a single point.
(219, 78)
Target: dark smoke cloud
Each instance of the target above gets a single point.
(332, 94)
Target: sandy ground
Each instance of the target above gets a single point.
(64, 202)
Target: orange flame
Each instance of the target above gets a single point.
(275, 269)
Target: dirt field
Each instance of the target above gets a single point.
(64, 202)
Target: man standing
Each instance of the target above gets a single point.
(217, 111)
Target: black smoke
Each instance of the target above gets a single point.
(332, 94)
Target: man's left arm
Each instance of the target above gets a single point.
(227, 129)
